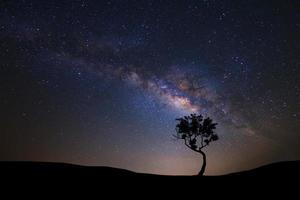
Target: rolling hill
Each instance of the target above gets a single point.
(40, 176)
(50, 169)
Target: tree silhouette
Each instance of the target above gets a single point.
(197, 133)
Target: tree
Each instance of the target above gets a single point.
(197, 133)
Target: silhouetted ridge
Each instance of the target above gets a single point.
(286, 168)
(25, 168)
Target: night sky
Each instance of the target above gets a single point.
(101, 82)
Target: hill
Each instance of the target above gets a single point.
(280, 169)
(29, 168)
(34, 175)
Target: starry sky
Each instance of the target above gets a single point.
(101, 82)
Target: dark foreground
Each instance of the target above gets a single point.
(271, 178)
(51, 169)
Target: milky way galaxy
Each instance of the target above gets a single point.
(102, 82)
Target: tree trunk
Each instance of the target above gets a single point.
(203, 164)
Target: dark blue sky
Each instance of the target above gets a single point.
(101, 82)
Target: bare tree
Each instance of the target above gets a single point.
(197, 133)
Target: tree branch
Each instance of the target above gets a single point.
(203, 146)
(186, 144)
(198, 151)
